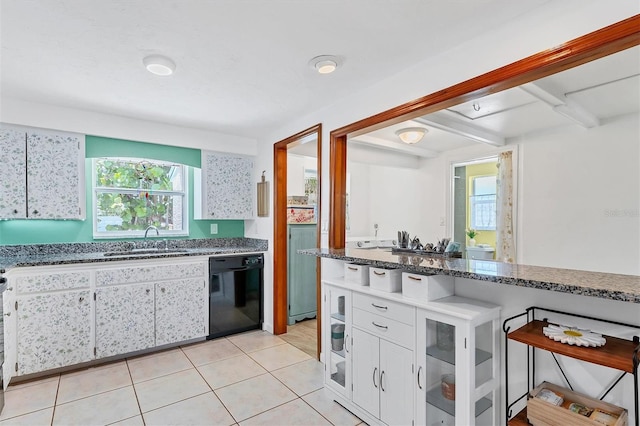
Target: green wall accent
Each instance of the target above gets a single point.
(81, 231)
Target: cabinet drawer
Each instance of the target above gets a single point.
(149, 273)
(386, 328)
(51, 282)
(385, 308)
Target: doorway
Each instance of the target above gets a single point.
(474, 213)
(292, 203)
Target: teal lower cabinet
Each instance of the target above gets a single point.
(301, 286)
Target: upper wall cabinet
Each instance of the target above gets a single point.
(225, 189)
(43, 176)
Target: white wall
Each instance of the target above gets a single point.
(580, 194)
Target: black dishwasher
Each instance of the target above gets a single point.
(235, 294)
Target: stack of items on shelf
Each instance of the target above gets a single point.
(553, 405)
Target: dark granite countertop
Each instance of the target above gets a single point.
(597, 284)
(61, 254)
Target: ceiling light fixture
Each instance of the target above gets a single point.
(325, 64)
(411, 135)
(159, 65)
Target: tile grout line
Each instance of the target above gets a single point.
(55, 401)
(212, 390)
(135, 393)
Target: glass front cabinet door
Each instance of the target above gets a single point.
(337, 339)
(458, 365)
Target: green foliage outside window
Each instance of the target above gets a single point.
(132, 195)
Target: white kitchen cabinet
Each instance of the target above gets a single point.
(9, 323)
(179, 315)
(44, 174)
(125, 320)
(225, 187)
(383, 371)
(457, 363)
(53, 330)
(337, 339)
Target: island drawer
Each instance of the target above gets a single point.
(386, 328)
(385, 308)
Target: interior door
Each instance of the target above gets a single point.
(366, 371)
(302, 273)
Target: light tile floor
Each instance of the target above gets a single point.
(252, 378)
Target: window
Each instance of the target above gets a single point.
(133, 194)
(483, 203)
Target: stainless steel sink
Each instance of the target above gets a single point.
(144, 251)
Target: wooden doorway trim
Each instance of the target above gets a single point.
(280, 239)
(592, 46)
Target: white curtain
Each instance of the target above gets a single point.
(506, 250)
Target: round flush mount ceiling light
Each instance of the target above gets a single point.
(411, 135)
(159, 65)
(325, 64)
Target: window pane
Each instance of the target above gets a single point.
(484, 185)
(133, 174)
(128, 212)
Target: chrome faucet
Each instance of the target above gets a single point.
(146, 231)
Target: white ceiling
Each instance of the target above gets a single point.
(242, 65)
(598, 91)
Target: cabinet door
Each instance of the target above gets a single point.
(55, 175)
(302, 273)
(53, 330)
(13, 190)
(396, 384)
(180, 310)
(337, 342)
(124, 319)
(366, 371)
(228, 187)
(9, 323)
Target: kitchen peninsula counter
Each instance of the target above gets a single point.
(602, 285)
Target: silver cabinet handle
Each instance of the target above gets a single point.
(379, 306)
(374, 377)
(162, 289)
(381, 274)
(414, 278)
(9, 288)
(419, 370)
(381, 382)
(8, 314)
(379, 326)
(346, 340)
(351, 268)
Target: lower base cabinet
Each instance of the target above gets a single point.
(383, 378)
(125, 320)
(412, 361)
(179, 315)
(54, 330)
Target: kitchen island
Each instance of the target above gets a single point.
(569, 297)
